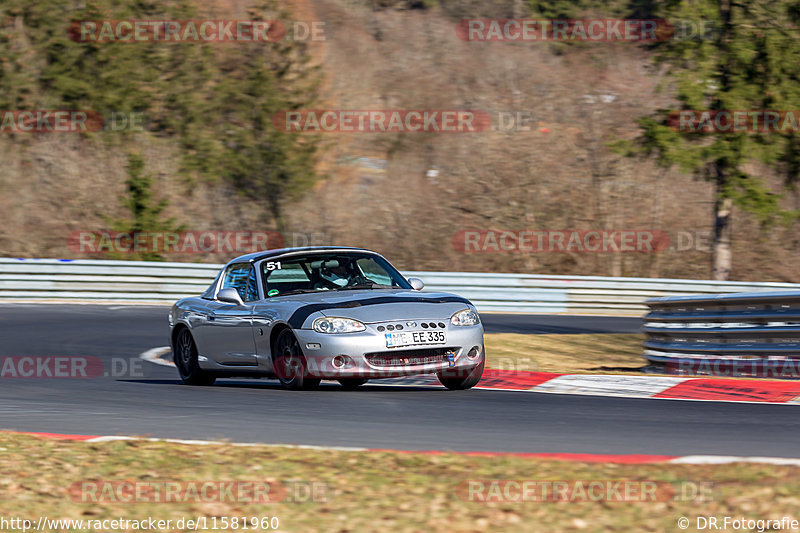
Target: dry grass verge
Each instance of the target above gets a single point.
(579, 354)
(383, 491)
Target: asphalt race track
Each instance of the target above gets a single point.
(141, 398)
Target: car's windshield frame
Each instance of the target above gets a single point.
(313, 263)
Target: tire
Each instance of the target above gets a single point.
(351, 383)
(185, 357)
(455, 381)
(289, 363)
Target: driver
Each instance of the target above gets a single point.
(336, 273)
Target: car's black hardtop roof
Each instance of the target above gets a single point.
(257, 256)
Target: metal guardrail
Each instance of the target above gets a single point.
(93, 280)
(534, 293)
(734, 334)
(149, 282)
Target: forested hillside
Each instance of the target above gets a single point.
(574, 144)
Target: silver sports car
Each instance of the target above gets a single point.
(307, 314)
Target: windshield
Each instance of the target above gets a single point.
(329, 272)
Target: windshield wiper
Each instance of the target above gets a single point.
(365, 286)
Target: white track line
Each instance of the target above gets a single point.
(687, 459)
(608, 385)
(153, 355)
(194, 442)
(727, 459)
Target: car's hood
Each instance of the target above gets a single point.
(382, 305)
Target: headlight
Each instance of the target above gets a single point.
(337, 325)
(466, 317)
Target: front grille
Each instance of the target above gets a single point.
(395, 358)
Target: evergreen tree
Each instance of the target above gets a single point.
(746, 58)
(215, 100)
(145, 209)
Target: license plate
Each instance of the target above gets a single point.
(414, 338)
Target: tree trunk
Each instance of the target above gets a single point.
(656, 223)
(721, 252)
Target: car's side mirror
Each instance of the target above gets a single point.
(230, 296)
(416, 283)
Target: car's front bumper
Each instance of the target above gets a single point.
(366, 355)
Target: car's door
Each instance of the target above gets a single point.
(228, 331)
(278, 279)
